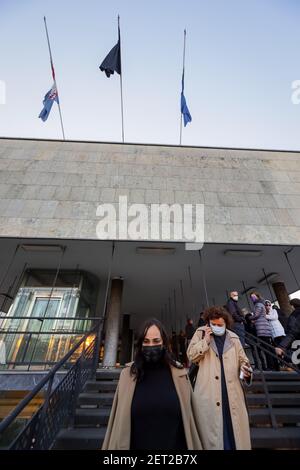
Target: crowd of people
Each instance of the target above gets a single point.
(266, 327)
(186, 392)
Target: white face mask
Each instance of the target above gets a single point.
(218, 330)
(235, 297)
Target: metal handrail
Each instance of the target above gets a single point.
(48, 378)
(48, 318)
(258, 343)
(10, 333)
(261, 343)
(265, 385)
(38, 333)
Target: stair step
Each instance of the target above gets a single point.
(283, 415)
(277, 375)
(261, 438)
(80, 439)
(276, 386)
(101, 385)
(91, 417)
(108, 374)
(103, 399)
(278, 399)
(280, 438)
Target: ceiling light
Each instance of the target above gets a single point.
(39, 248)
(245, 253)
(155, 250)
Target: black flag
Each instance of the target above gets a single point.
(112, 62)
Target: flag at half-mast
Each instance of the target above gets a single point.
(184, 109)
(112, 62)
(49, 98)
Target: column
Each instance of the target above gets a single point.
(113, 323)
(126, 345)
(282, 297)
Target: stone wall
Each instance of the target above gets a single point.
(51, 189)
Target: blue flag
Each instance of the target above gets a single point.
(48, 101)
(184, 109)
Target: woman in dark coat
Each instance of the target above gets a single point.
(264, 332)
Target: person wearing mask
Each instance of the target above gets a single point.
(292, 329)
(218, 393)
(276, 327)
(152, 407)
(238, 318)
(264, 332)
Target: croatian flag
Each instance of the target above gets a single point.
(48, 100)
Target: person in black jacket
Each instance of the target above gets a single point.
(201, 321)
(189, 330)
(292, 329)
(250, 328)
(238, 318)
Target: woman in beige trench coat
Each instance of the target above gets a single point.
(152, 405)
(220, 406)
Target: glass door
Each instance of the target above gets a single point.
(34, 346)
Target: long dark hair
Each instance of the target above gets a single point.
(138, 366)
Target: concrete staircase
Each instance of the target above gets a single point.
(95, 402)
(92, 413)
(284, 389)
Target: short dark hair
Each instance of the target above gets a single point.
(217, 311)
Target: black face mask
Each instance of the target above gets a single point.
(153, 354)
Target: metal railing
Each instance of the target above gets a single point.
(58, 408)
(259, 344)
(31, 338)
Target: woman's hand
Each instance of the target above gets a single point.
(246, 371)
(279, 351)
(208, 332)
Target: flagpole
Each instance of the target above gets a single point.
(183, 64)
(54, 79)
(121, 82)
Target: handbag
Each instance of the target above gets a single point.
(193, 371)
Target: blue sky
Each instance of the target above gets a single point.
(241, 59)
